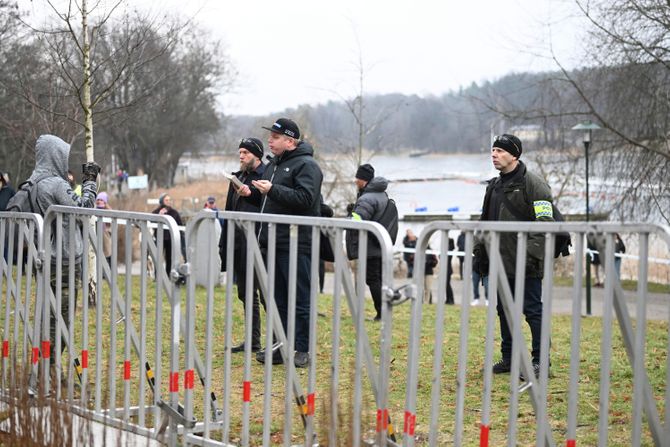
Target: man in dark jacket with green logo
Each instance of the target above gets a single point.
(516, 195)
(291, 184)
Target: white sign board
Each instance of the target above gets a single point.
(138, 182)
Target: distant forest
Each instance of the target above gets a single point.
(458, 121)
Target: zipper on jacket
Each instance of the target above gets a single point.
(265, 198)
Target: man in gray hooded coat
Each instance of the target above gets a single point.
(52, 188)
(370, 205)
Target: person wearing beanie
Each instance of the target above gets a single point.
(516, 195)
(251, 168)
(290, 185)
(165, 207)
(370, 204)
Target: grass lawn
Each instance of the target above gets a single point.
(620, 407)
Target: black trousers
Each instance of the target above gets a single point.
(302, 303)
(240, 274)
(373, 278)
(532, 309)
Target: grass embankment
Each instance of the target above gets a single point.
(626, 284)
(620, 407)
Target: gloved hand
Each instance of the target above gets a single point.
(90, 171)
(480, 264)
(350, 208)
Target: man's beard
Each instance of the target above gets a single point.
(247, 167)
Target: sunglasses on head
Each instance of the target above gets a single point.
(504, 139)
(250, 141)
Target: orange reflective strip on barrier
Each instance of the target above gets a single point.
(5, 348)
(247, 392)
(126, 370)
(46, 349)
(571, 443)
(174, 382)
(84, 358)
(36, 354)
(379, 421)
(385, 419)
(483, 435)
(310, 404)
(188, 379)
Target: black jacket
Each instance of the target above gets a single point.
(531, 195)
(235, 202)
(6, 193)
(296, 190)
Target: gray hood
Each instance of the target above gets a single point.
(377, 184)
(51, 157)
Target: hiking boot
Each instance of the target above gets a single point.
(502, 367)
(301, 359)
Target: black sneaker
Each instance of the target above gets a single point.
(301, 359)
(276, 356)
(240, 348)
(502, 367)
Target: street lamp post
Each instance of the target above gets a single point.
(587, 127)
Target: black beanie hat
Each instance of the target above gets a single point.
(509, 143)
(253, 145)
(365, 172)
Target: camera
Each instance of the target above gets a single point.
(90, 170)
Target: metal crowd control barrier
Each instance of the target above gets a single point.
(443, 430)
(224, 373)
(120, 349)
(21, 278)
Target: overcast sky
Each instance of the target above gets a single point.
(306, 51)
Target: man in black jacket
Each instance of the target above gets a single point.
(291, 184)
(516, 195)
(251, 168)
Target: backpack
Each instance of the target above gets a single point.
(25, 196)
(389, 219)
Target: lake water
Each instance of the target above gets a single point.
(463, 192)
(458, 189)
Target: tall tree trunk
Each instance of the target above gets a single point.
(86, 87)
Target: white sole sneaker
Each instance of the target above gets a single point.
(474, 303)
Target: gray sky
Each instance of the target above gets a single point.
(306, 51)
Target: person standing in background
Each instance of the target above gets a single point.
(165, 207)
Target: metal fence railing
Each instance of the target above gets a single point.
(153, 354)
(442, 429)
(298, 403)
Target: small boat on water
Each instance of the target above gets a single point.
(415, 154)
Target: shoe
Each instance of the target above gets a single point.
(502, 367)
(276, 356)
(536, 371)
(301, 359)
(377, 318)
(486, 302)
(475, 302)
(240, 348)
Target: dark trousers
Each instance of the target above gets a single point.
(64, 304)
(373, 278)
(532, 309)
(302, 304)
(240, 274)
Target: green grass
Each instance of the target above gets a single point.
(626, 284)
(620, 407)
